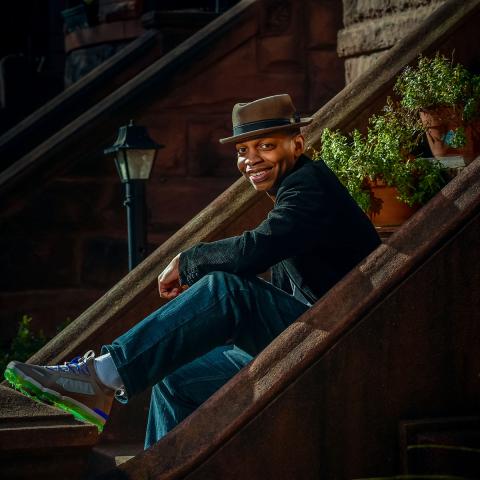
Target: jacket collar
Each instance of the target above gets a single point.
(302, 160)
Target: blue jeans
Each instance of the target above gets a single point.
(191, 346)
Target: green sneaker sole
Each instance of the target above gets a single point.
(40, 396)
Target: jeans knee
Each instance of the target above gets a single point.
(224, 280)
(170, 385)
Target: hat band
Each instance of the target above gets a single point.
(260, 125)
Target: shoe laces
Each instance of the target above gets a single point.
(77, 365)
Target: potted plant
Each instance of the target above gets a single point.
(446, 97)
(380, 170)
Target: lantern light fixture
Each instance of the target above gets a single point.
(134, 153)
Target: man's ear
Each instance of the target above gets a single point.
(299, 144)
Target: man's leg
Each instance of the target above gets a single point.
(183, 391)
(218, 309)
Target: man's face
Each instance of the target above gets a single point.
(263, 161)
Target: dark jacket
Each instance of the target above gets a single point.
(312, 237)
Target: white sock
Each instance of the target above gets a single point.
(107, 372)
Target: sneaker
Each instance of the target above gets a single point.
(73, 387)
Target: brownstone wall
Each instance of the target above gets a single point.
(66, 245)
(373, 26)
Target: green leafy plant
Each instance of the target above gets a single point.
(348, 157)
(24, 344)
(438, 82)
(385, 154)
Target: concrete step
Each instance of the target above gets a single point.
(38, 441)
(105, 457)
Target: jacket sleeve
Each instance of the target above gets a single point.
(298, 222)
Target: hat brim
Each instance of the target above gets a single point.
(263, 131)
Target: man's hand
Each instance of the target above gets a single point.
(169, 280)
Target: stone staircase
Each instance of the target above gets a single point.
(38, 441)
(379, 348)
(164, 30)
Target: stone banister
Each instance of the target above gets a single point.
(201, 442)
(92, 129)
(77, 98)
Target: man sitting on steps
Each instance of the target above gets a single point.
(220, 314)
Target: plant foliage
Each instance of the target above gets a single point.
(384, 153)
(24, 344)
(437, 82)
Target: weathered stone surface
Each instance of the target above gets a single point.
(27, 262)
(372, 26)
(175, 200)
(325, 73)
(48, 308)
(70, 204)
(14, 406)
(38, 441)
(104, 261)
(206, 155)
(167, 128)
(380, 33)
(358, 10)
(324, 21)
(278, 17)
(279, 54)
(355, 66)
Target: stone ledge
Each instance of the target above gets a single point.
(356, 66)
(357, 11)
(27, 425)
(14, 407)
(380, 33)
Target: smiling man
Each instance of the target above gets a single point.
(221, 314)
(264, 161)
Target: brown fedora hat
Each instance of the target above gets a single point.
(264, 115)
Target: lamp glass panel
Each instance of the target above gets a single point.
(122, 165)
(140, 163)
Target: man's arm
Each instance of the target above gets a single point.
(298, 222)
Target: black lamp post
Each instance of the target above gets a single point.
(134, 154)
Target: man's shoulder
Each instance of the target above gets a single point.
(305, 174)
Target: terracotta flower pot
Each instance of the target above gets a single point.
(440, 123)
(387, 210)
